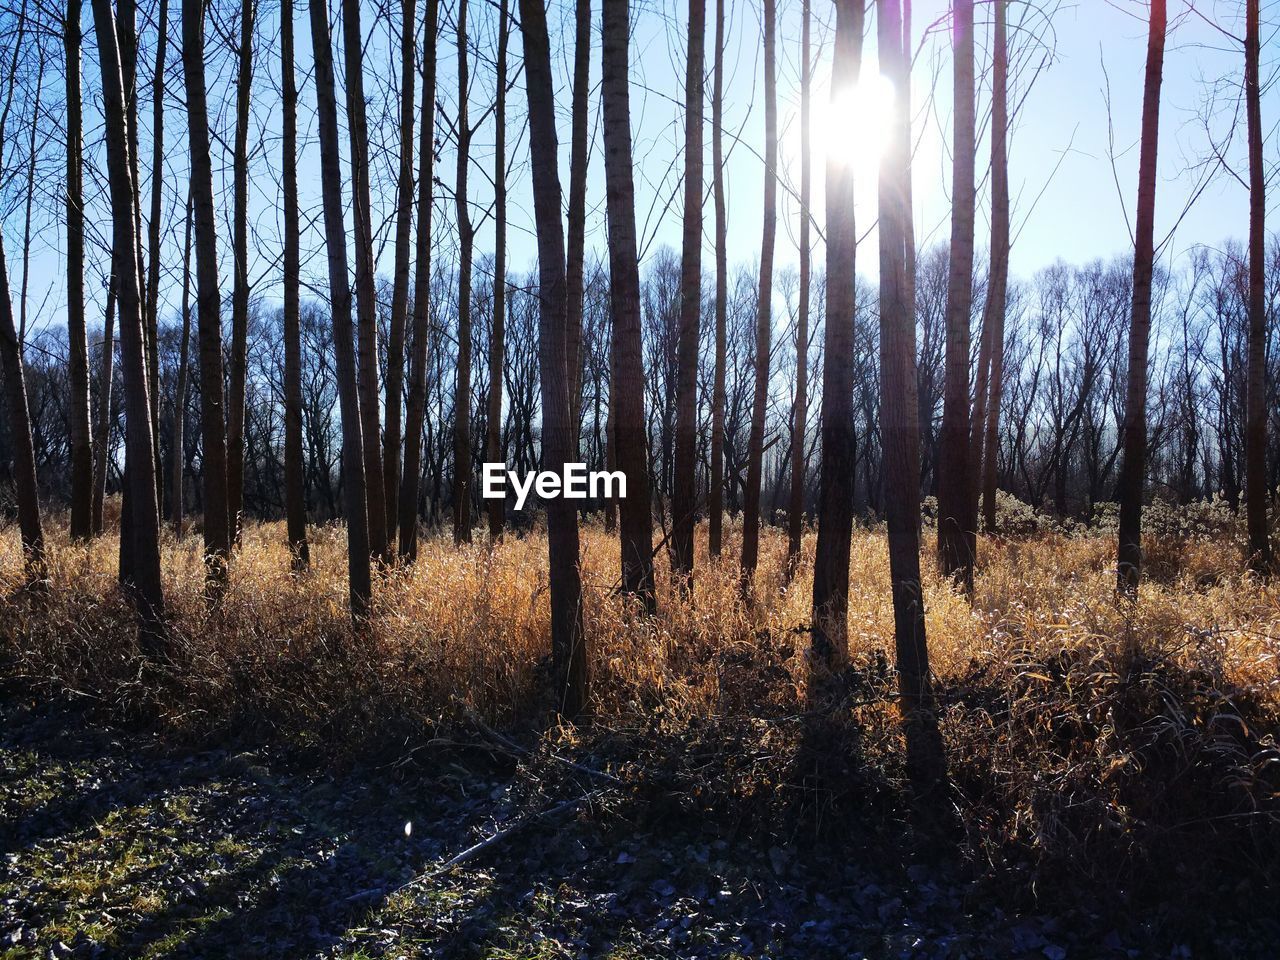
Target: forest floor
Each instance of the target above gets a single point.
(116, 844)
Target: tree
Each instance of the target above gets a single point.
(294, 492)
(151, 312)
(366, 297)
(240, 287)
(466, 251)
(1133, 468)
(839, 437)
(715, 506)
(353, 447)
(213, 438)
(400, 283)
(180, 390)
(105, 377)
(568, 638)
(899, 426)
(955, 534)
(755, 445)
(77, 335)
(985, 427)
(577, 221)
(143, 530)
(1255, 453)
(684, 500)
(626, 389)
(800, 408)
(415, 412)
(497, 335)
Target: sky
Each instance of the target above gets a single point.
(1073, 150)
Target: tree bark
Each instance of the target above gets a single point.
(400, 283)
(955, 534)
(1133, 469)
(899, 423)
(143, 530)
(415, 412)
(105, 378)
(240, 287)
(577, 222)
(800, 408)
(295, 507)
(684, 489)
(626, 391)
(1255, 474)
(213, 437)
(466, 251)
(180, 391)
(568, 638)
(715, 505)
(152, 311)
(764, 306)
(497, 333)
(354, 449)
(839, 439)
(77, 334)
(366, 296)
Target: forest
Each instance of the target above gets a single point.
(923, 600)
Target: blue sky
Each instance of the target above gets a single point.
(1073, 173)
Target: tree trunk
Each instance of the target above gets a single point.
(77, 335)
(715, 506)
(240, 288)
(353, 447)
(180, 392)
(800, 409)
(626, 391)
(415, 412)
(105, 378)
(684, 490)
(839, 440)
(955, 534)
(152, 311)
(899, 423)
(366, 296)
(497, 333)
(400, 284)
(1133, 470)
(143, 530)
(1255, 448)
(568, 639)
(295, 507)
(213, 438)
(576, 254)
(984, 429)
(764, 311)
(466, 250)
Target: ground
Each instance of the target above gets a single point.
(119, 844)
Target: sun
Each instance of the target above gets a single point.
(851, 127)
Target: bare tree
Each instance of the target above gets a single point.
(985, 426)
(400, 283)
(568, 638)
(1256, 403)
(366, 297)
(755, 446)
(180, 389)
(684, 491)
(577, 222)
(77, 335)
(800, 407)
(1133, 468)
(415, 413)
(900, 429)
(715, 506)
(217, 520)
(151, 311)
(955, 533)
(466, 251)
(354, 449)
(294, 492)
(626, 389)
(497, 335)
(839, 436)
(106, 375)
(143, 530)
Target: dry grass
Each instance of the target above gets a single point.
(1060, 754)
